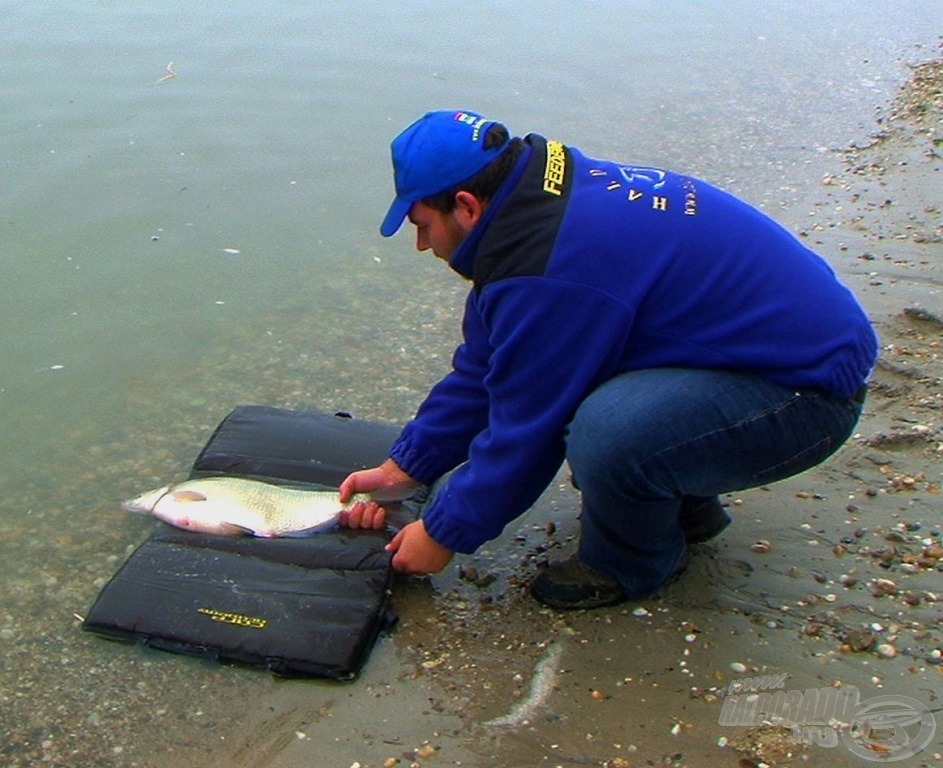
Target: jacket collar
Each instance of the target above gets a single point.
(463, 260)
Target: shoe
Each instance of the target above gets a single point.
(571, 584)
(702, 520)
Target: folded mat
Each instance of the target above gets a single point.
(298, 607)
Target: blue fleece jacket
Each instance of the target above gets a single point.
(583, 269)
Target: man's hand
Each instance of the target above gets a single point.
(370, 514)
(364, 514)
(416, 551)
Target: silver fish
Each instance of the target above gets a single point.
(237, 506)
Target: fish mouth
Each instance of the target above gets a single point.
(144, 505)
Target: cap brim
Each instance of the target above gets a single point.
(395, 217)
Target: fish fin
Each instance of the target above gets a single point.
(188, 496)
(306, 533)
(234, 529)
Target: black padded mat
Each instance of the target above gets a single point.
(298, 607)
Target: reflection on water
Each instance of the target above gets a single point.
(174, 248)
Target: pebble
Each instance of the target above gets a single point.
(859, 639)
(881, 587)
(761, 546)
(640, 612)
(470, 573)
(886, 650)
(738, 667)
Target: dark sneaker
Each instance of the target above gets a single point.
(571, 584)
(702, 519)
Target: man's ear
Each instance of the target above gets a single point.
(468, 210)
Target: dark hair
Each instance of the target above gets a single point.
(486, 182)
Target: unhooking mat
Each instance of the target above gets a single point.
(298, 607)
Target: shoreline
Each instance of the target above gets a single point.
(841, 593)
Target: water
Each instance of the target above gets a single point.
(174, 247)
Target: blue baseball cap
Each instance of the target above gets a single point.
(435, 153)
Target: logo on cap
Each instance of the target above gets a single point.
(475, 121)
(436, 153)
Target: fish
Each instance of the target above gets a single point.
(543, 684)
(230, 506)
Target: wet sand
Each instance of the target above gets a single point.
(832, 578)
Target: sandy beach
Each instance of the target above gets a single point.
(829, 580)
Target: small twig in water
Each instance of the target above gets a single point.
(170, 73)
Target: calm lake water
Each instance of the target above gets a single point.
(174, 246)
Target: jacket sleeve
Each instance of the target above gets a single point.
(455, 410)
(552, 343)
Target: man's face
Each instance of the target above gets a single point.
(442, 232)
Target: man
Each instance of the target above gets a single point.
(668, 341)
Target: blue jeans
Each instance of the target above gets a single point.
(646, 439)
